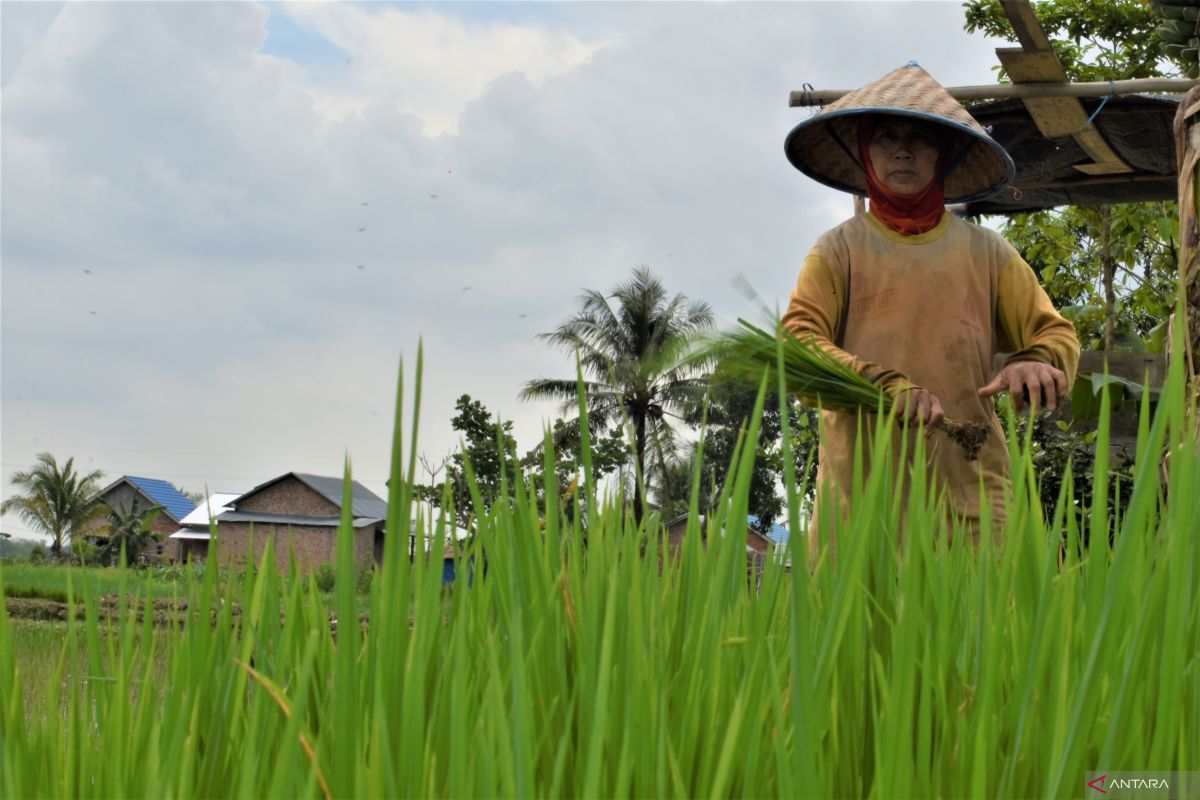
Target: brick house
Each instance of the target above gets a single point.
(756, 543)
(758, 547)
(299, 512)
(146, 493)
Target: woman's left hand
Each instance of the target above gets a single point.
(1044, 385)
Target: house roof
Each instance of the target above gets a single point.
(173, 502)
(217, 501)
(185, 533)
(778, 534)
(1139, 128)
(364, 502)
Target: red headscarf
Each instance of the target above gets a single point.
(906, 214)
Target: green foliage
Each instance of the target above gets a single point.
(730, 407)
(56, 581)
(129, 531)
(56, 501)
(634, 354)
(1062, 453)
(922, 668)
(488, 444)
(609, 454)
(17, 549)
(324, 577)
(1066, 248)
(1114, 265)
(1094, 40)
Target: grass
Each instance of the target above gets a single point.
(50, 582)
(576, 665)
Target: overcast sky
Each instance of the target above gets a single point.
(224, 224)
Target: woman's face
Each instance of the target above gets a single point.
(905, 154)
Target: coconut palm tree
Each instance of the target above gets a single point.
(57, 502)
(633, 353)
(131, 529)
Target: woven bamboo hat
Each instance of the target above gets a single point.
(825, 146)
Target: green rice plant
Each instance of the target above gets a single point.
(576, 656)
(806, 370)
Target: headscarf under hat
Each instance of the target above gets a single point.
(908, 214)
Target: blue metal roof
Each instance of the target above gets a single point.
(778, 534)
(173, 501)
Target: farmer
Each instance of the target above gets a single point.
(916, 299)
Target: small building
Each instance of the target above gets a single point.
(130, 491)
(190, 542)
(299, 513)
(756, 543)
(759, 548)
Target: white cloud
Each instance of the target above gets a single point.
(217, 206)
(427, 62)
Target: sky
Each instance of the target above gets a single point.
(223, 226)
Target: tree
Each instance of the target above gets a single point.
(489, 446)
(730, 406)
(633, 354)
(1115, 264)
(56, 501)
(1094, 40)
(129, 528)
(1111, 269)
(609, 454)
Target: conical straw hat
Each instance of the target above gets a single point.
(825, 146)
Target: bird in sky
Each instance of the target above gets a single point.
(466, 288)
(364, 204)
(87, 271)
(362, 266)
(360, 230)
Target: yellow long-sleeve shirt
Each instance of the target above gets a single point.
(929, 310)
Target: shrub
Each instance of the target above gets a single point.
(323, 576)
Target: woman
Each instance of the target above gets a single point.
(914, 298)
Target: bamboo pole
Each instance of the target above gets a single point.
(1187, 150)
(998, 91)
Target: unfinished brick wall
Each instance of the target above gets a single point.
(289, 496)
(313, 545)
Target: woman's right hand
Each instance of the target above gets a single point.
(919, 406)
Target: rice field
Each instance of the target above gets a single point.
(577, 662)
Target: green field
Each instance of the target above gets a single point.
(54, 582)
(580, 664)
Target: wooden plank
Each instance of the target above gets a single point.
(1025, 24)
(1107, 161)
(1055, 117)
(1026, 66)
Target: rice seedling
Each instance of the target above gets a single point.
(576, 662)
(814, 375)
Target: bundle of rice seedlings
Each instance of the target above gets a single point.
(818, 378)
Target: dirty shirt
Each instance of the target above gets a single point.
(928, 310)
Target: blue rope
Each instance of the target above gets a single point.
(1112, 91)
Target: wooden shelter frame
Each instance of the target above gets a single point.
(1052, 100)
